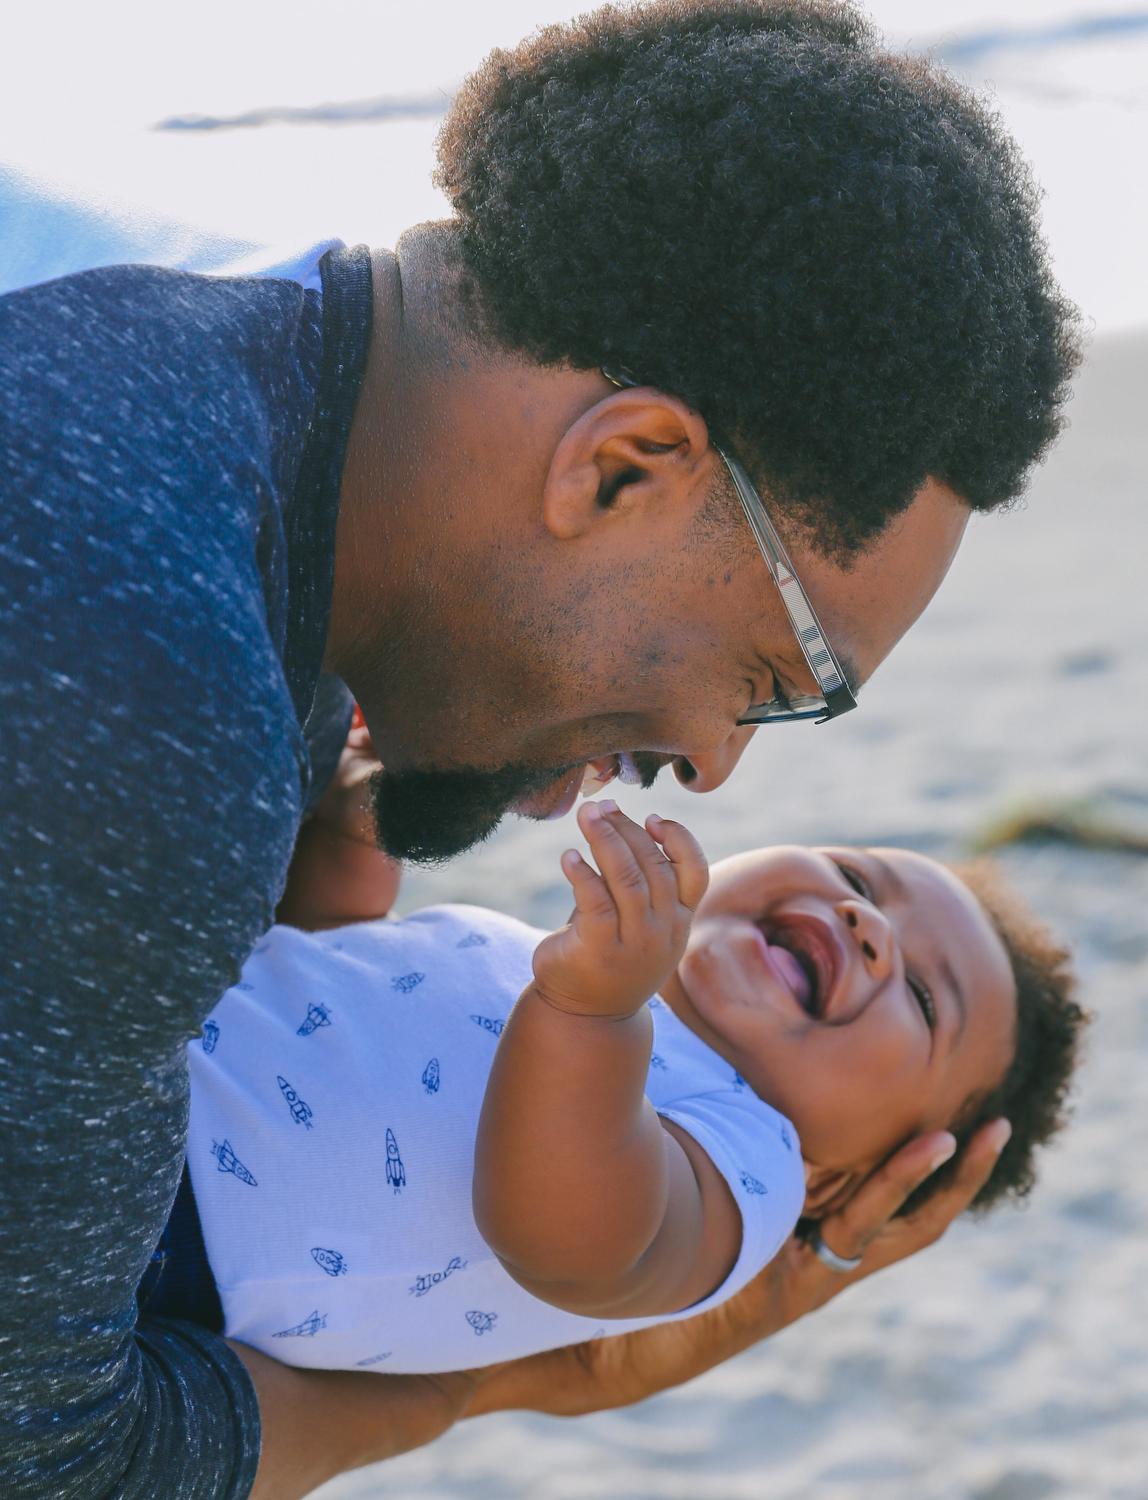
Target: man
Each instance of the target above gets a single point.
(502, 487)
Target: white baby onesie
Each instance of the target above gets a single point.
(335, 1096)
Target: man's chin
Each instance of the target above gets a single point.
(429, 817)
(554, 801)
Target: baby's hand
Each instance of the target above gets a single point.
(630, 923)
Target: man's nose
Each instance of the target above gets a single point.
(873, 936)
(702, 773)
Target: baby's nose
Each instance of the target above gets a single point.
(872, 934)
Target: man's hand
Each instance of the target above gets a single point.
(345, 808)
(338, 873)
(612, 1372)
(630, 921)
(320, 1423)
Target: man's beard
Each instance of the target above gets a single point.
(427, 817)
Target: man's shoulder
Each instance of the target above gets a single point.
(138, 312)
(152, 403)
(151, 423)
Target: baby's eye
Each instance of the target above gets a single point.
(856, 880)
(924, 998)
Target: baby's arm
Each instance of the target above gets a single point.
(588, 1198)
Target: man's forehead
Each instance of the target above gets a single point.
(868, 606)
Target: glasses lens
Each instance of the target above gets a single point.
(798, 707)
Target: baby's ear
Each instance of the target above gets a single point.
(827, 1189)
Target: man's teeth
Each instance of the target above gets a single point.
(599, 773)
(602, 772)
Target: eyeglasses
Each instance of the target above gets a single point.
(836, 696)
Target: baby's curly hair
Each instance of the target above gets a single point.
(829, 250)
(1033, 1095)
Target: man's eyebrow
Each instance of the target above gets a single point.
(796, 662)
(894, 882)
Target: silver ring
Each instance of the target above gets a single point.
(829, 1257)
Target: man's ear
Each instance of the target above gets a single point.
(635, 447)
(827, 1189)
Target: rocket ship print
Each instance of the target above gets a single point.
(481, 1322)
(405, 983)
(317, 1015)
(751, 1184)
(489, 1023)
(738, 1082)
(472, 940)
(301, 1113)
(307, 1329)
(329, 1260)
(431, 1076)
(657, 1061)
(210, 1036)
(229, 1162)
(430, 1279)
(786, 1138)
(374, 1359)
(396, 1172)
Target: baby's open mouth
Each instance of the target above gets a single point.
(805, 958)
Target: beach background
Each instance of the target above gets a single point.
(1011, 1362)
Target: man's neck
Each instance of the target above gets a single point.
(367, 496)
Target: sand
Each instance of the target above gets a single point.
(1011, 1361)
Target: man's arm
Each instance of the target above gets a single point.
(148, 803)
(149, 800)
(319, 1424)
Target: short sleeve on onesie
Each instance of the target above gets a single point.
(336, 1092)
(753, 1146)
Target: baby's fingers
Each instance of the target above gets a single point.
(620, 866)
(685, 855)
(591, 896)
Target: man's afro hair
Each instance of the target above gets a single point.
(831, 251)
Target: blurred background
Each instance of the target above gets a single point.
(1010, 1363)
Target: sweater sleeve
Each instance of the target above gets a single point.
(149, 800)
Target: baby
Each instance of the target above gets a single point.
(441, 1142)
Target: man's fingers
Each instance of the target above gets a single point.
(866, 1225)
(684, 853)
(853, 1227)
(973, 1170)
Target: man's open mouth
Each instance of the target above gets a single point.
(606, 768)
(557, 797)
